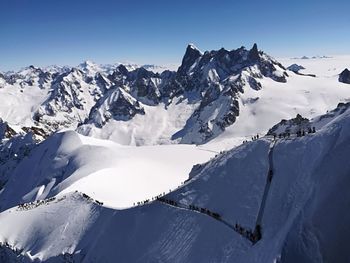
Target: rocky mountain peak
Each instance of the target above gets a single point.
(122, 69)
(141, 73)
(253, 54)
(191, 55)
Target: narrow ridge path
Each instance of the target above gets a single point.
(251, 235)
(245, 233)
(267, 187)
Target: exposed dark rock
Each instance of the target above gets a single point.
(291, 126)
(253, 54)
(6, 131)
(344, 76)
(295, 68)
(115, 105)
(37, 131)
(190, 57)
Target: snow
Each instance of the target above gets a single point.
(305, 219)
(308, 96)
(155, 127)
(17, 104)
(114, 174)
(140, 173)
(61, 232)
(323, 67)
(305, 95)
(90, 68)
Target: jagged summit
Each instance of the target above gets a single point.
(254, 53)
(191, 55)
(193, 46)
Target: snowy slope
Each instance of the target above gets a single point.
(114, 174)
(304, 220)
(156, 126)
(303, 95)
(17, 104)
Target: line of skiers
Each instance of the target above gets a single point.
(299, 133)
(158, 196)
(191, 207)
(91, 199)
(30, 205)
(144, 201)
(254, 138)
(302, 132)
(205, 211)
(281, 135)
(167, 201)
(253, 236)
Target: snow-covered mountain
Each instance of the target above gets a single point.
(301, 208)
(210, 83)
(210, 93)
(75, 188)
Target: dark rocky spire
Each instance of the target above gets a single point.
(191, 55)
(254, 53)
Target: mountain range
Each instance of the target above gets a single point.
(127, 163)
(90, 96)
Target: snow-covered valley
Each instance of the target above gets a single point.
(117, 164)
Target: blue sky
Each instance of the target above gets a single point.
(67, 32)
